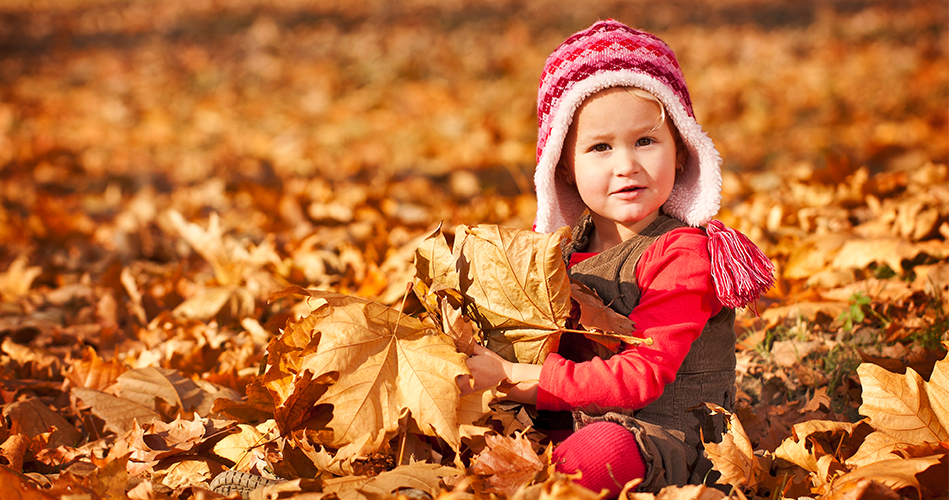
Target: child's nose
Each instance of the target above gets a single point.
(627, 163)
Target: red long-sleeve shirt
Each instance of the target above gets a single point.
(677, 300)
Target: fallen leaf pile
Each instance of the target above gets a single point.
(166, 168)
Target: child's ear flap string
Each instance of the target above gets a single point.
(740, 270)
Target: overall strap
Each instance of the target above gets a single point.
(612, 273)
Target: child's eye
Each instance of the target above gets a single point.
(645, 141)
(601, 147)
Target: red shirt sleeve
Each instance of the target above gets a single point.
(677, 300)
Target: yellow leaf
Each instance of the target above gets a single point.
(876, 447)
(897, 474)
(937, 389)
(16, 281)
(734, 456)
(517, 287)
(898, 405)
(388, 363)
(187, 471)
(237, 447)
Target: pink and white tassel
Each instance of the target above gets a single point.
(740, 270)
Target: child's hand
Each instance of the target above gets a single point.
(488, 370)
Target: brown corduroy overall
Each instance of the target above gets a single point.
(668, 429)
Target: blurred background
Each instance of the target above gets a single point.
(367, 121)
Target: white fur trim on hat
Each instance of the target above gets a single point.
(696, 195)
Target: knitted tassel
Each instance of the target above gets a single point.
(740, 271)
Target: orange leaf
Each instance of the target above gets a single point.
(91, 372)
(508, 464)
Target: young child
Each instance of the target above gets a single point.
(621, 159)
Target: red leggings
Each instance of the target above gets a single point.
(606, 455)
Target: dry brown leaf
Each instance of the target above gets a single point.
(876, 447)
(517, 287)
(786, 353)
(686, 492)
(596, 317)
(734, 456)
(301, 489)
(420, 476)
(237, 447)
(507, 463)
(33, 418)
(434, 270)
(212, 300)
(12, 451)
(937, 389)
(92, 372)
(897, 474)
(388, 363)
(899, 405)
(14, 486)
(39, 363)
(119, 414)
(16, 281)
(557, 487)
(145, 386)
(179, 472)
(865, 489)
(807, 310)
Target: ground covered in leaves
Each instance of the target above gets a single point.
(167, 167)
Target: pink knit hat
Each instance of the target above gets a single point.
(611, 54)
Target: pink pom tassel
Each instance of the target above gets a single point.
(740, 271)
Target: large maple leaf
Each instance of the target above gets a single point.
(899, 405)
(516, 286)
(388, 365)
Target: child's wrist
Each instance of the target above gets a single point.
(523, 372)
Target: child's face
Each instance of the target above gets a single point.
(624, 165)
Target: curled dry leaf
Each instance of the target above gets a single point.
(734, 457)
(92, 372)
(507, 464)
